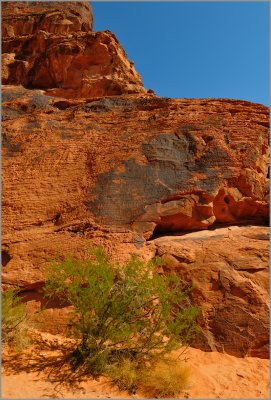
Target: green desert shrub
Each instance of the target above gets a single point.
(121, 311)
(14, 316)
(160, 377)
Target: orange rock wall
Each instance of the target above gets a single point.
(229, 268)
(21, 19)
(89, 157)
(50, 45)
(138, 164)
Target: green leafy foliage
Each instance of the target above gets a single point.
(14, 329)
(121, 310)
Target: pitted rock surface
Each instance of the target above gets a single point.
(130, 164)
(21, 18)
(90, 158)
(50, 45)
(229, 269)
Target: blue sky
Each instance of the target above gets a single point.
(194, 49)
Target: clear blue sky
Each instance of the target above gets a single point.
(194, 49)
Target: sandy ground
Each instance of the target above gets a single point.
(217, 375)
(36, 374)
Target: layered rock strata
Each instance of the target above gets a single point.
(229, 269)
(146, 164)
(21, 19)
(128, 167)
(117, 170)
(50, 45)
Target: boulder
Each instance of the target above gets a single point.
(229, 270)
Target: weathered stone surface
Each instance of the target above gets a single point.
(229, 268)
(23, 18)
(138, 164)
(53, 47)
(79, 168)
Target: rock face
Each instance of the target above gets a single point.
(229, 268)
(20, 19)
(50, 45)
(121, 169)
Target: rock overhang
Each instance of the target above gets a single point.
(93, 157)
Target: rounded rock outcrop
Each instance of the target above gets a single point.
(51, 46)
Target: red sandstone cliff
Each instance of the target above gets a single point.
(50, 45)
(124, 166)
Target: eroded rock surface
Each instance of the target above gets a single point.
(24, 18)
(229, 268)
(50, 45)
(138, 164)
(91, 158)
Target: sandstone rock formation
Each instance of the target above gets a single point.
(50, 45)
(229, 268)
(21, 19)
(127, 167)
